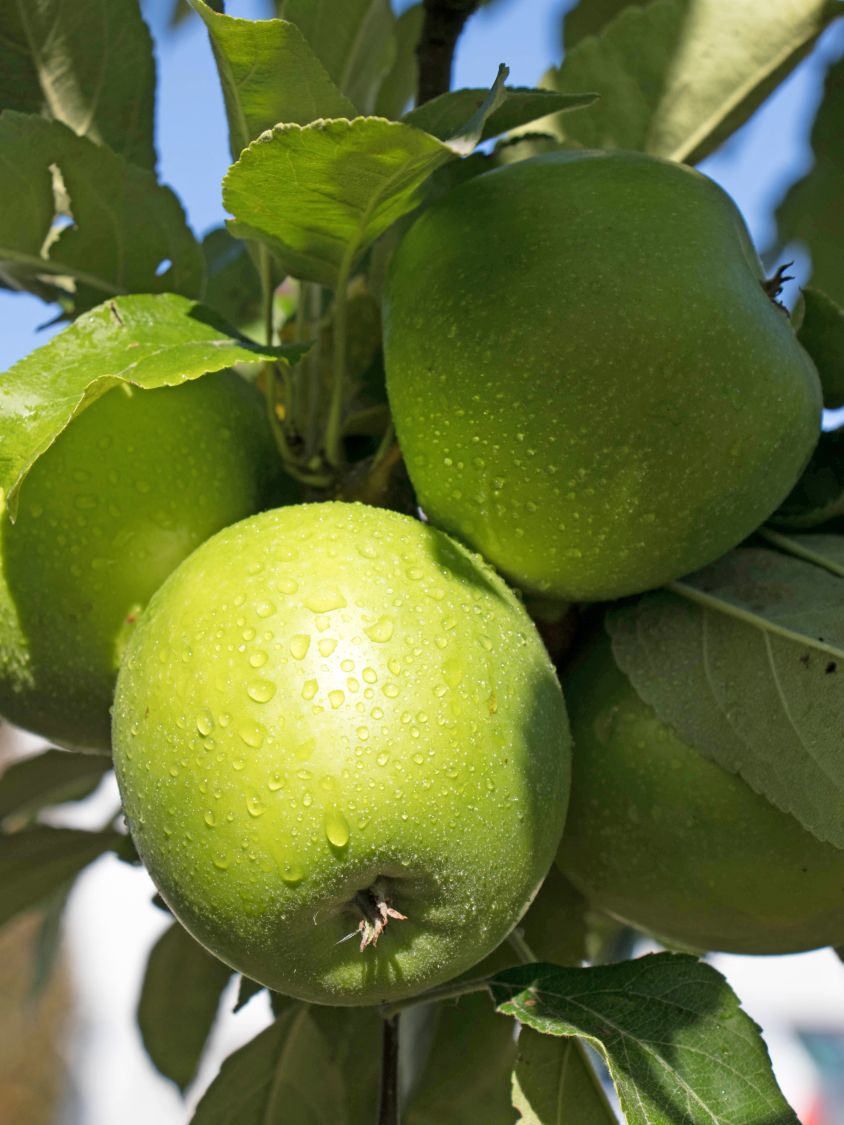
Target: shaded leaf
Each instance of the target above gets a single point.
(821, 333)
(37, 862)
(589, 17)
(818, 496)
(744, 659)
(87, 64)
(51, 778)
(354, 40)
(233, 287)
(444, 116)
(269, 74)
(47, 943)
(246, 989)
(313, 1064)
(555, 926)
(145, 341)
(677, 77)
(123, 232)
(812, 211)
(554, 1083)
(179, 999)
(353, 180)
(826, 551)
(678, 1045)
(399, 83)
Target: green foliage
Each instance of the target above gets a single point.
(48, 779)
(821, 333)
(554, 1073)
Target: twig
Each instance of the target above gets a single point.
(444, 20)
(388, 1106)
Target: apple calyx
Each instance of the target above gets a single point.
(773, 286)
(374, 906)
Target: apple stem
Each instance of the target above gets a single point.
(376, 912)
(388, 1103)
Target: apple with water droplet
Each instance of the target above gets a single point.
(590, 383)
(135, 482)
(343, 752)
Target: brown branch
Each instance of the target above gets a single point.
(444, 20)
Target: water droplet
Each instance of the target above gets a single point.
(324, 601)
(287, 586)
(368, 550)
(299, 646)
(573, 553)
(292, 873)
(261, 691)
(307, 799)
(336, 828)
(265, 609)
(381, 631)
(253, 734)
(336, 698)
(377, 713)
(414, 573)
(210, 819)
(276, 782)
(309, 689)
(255, 806)
(363, 733)
(238, 763)
(326, 646)
(383, 758)
(221, 860)
(258, 658)
(204, 723)
(391, 690)
(395, 666)
(370, 676)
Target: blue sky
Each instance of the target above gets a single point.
(756, 166)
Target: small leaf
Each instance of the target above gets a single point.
(399, 84)
(37, 862)
(246, 989)
(353, 180)
(233, 287)
(87, 64)
(354, 40)
(444, 116)
(269, 74)
(51, 778)
(821, 333)
(314, 1064)
(47, 943)
(554, 1083)
(818, 496)
(678, 1045)
(677, 77)
(744, 660)
(143, 341)
(812, 211)
(179, 999)
(123, 232)
(469, 1054)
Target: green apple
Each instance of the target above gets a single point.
(333, 717)
(590, 384)
(668, 841)
(127, 490)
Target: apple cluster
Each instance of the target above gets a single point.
(342, 748)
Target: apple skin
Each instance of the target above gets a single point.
(327, 698)
(589, 384)
(131, 486)
(669, 842)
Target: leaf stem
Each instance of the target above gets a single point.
(444, 21)
(516, 941)
(333, 427)
(792, 547)
(388, 1104)
(267, 294)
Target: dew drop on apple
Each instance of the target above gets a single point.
(253, 734)
(261, 691)
(204, 723)
(336, 828)
(258, 658)
(299, 646)
(292, 873)
(221, 860)
(210, 819)
(255, 806)
(381, 631)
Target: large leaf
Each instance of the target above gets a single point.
(818, 496)
(123, 231)
(88, 64)
(442, 117)
(677, 77)
(812, 211)
(312, 1065)
(179, 999)
(554, 1083)
(399, 84)
(589, 17)
(821, 333)
(37, 862)
(744, 659)
(678, 1046)
(146, 341)
(353, 179)
(354, 40)
(47, 779)
(269, 74)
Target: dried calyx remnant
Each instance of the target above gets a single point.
(773, 286)
(376, 912)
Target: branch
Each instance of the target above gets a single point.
(444, 20)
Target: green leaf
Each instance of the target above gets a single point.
(554, 1083)
(821, 333)
(555, 925)
(678, 1045)
(399, 84)
(87, 64)
(143, 341)
(125, 227)
(353, 180)
(37, 862)
(744, 660)
(46, 945)
(51, 778)
(269, 74)
(677, 77)
(314, 1064)
(246, 989)
(812, 211)
(444, 116)
(233, 287)
(818, 496)
(469, 1055)
(354, 40)
(589, 17)
(826, 551)
(178, 1004)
